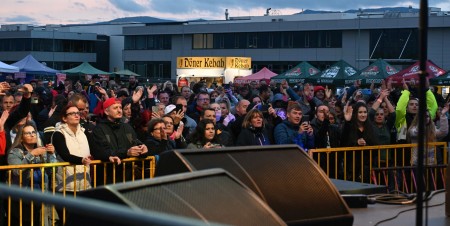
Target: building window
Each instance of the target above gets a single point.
(252, 40)
(389, 44)
(203, 41)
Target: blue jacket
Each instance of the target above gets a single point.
(287, 133)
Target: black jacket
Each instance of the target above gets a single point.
(254, 136)
(320, 134)
(113, 139)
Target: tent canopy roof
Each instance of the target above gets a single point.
(30, 65)
(297, 74)
(375, 72)
(6, 68)
(261, 74)
(412, 72)
(337, 74)
(126, 72)
(87, 69)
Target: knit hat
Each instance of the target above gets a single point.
(317, 88)
(110, 102)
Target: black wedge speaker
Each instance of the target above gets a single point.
(284, 176)
(211, 196)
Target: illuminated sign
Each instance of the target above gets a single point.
(239, 62)
(214, 62)
(200, 62)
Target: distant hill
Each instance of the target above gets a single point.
(137, 19)
(386, 9)
(148, 19)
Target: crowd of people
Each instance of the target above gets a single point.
(114, 120)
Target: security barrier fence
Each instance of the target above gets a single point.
(59, 178)
(388, 165)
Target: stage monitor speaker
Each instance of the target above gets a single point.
(284, 176)
(212, 196)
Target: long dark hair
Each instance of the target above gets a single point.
(369, 132)
(198, 136)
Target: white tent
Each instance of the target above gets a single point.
(6, 68)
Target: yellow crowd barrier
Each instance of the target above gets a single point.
(388, 165)
(94, 175)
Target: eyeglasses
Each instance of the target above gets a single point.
(416, 104)
(203, 99)
(29, 134)
(157, 129)
(168, 123)
(74, 113)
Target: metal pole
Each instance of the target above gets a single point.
(53, 48)
(423, 29)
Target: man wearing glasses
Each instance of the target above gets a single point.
(202, 102)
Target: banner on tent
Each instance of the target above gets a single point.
(19, 75)
(60, 78)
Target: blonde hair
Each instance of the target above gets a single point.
(430, 128)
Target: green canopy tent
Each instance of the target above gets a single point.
(335, 75)
(126, 72)
(443, 80)
(85, 69)
(297, 74)
(375, 72)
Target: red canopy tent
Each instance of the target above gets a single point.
(264, 73)
(412, 72)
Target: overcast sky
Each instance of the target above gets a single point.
(41, 12)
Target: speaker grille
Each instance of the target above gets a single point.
(211, 199)
(288, 180)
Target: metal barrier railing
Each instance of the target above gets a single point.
(388, 165)
(131, 169)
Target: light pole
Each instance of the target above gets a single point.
(53, 47)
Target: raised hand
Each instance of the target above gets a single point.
(383, 85)
(405, 86)
(389, 84)
(284, 84)
(348, 111)
(151, 90)
(3, 119)
(179, 131)
(137, 95)
(52, 110)
(383, 94)
(328, 92)
(4, 86)
(27, 89)
(102, 91)
(179, 115)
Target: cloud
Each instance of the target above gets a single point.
(79, 5)
(128, 5)
(20, 19)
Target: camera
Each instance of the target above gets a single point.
(263, 108)
(305, 118)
